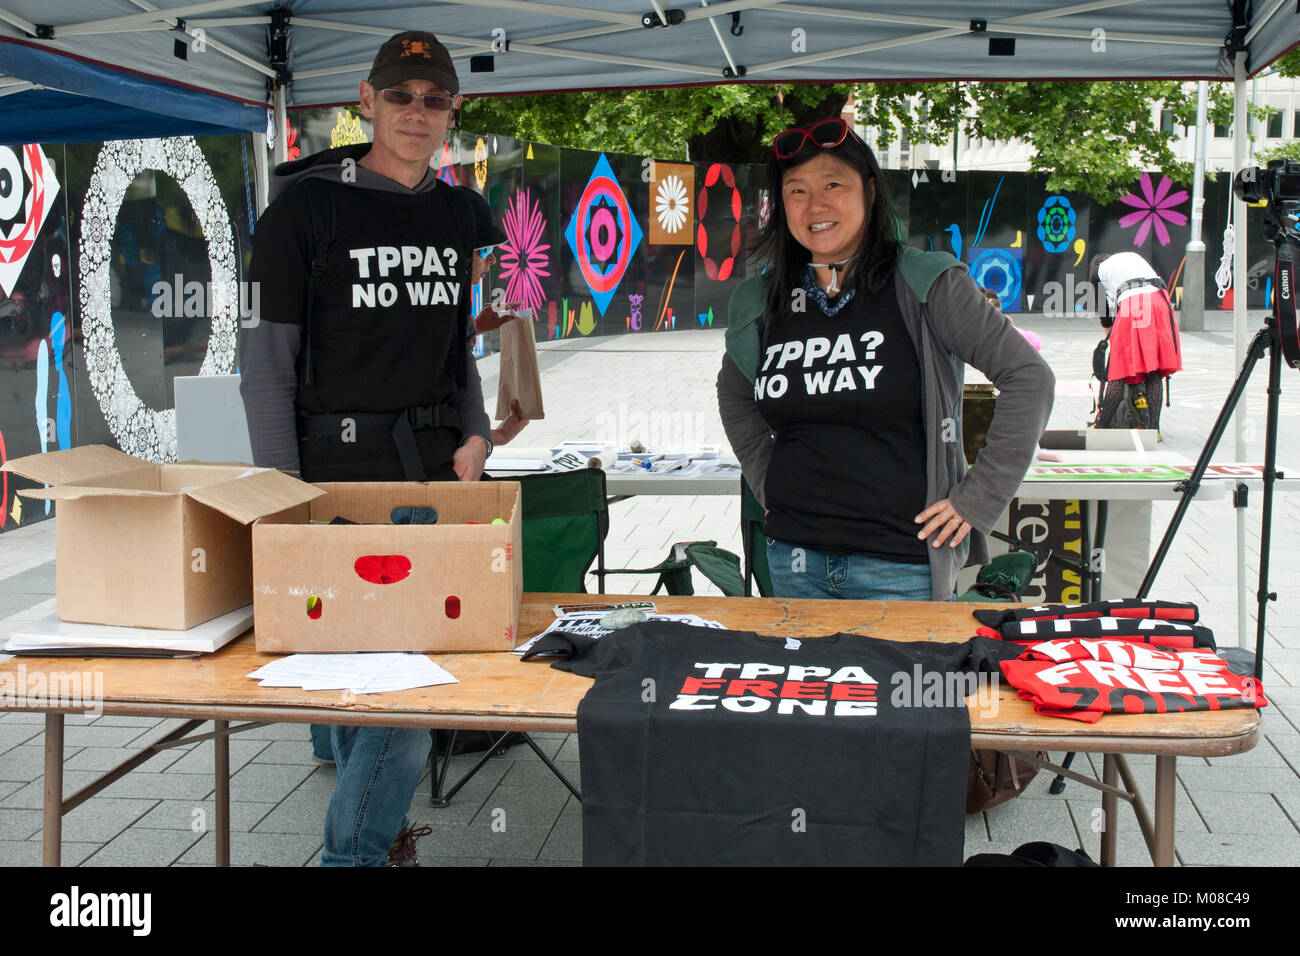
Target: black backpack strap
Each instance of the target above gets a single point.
(324, 228)
(463, 217)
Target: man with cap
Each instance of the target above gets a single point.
(358, 367)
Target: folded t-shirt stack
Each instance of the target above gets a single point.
(1122, 656)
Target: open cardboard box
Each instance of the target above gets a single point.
(377, 586)
(146, 545)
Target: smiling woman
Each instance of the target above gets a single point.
(842, 383)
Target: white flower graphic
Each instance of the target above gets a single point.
(670, 204)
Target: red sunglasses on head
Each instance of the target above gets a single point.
(827, 134)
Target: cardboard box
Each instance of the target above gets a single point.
(452, 586)
(146, 545)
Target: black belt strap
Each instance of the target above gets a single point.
(402, 425)
(1154, 281)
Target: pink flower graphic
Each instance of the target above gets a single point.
(1153, 206)
(523, 255)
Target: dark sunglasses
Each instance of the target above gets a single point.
(433, 102)
(827, 134)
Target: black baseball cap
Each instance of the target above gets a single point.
(414, 55)
(486, 230)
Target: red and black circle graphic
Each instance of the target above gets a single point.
(717, 245)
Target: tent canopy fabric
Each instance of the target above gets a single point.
(126, 51)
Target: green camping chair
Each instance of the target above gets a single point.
(1003, 578)
(718, 565)
(754, 542)
(565, 521)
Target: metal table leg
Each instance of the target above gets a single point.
(52, 831)
(221, 786)
(1109, 810)
(1166, 785)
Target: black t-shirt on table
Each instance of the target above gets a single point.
(717, 747)
(842, 393)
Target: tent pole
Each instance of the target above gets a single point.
(1191, 316)
(1241, 413)
(281, 127)
(260, 172)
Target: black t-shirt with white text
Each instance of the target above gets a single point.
(718, 747)
(386, 309)
(842, 394)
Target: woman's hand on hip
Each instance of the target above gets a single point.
(942, 517)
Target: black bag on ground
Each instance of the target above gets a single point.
(1033, 854)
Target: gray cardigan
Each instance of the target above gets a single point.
(951, 324)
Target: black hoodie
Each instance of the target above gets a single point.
(385, 312)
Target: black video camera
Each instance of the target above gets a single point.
(1278, 182)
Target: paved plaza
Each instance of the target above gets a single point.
(1240, 810)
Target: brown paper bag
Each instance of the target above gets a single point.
(520, 378)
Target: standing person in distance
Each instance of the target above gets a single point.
(1144, 344)
(841, 388)
(332, 349)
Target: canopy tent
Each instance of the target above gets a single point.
(225, 62)
(233, 54)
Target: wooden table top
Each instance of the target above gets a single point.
(498, 690)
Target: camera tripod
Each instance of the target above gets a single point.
(1278, 338)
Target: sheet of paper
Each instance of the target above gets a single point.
(359, 673)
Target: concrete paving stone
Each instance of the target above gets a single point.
(120, 720)
(527, 806)
(285, 751)
(11, 735)
(569, 752)
(1261, 755)
(37, 580)
(1238, 849)
(303, 811)
(1273, 721)
(19, 824)
(106, 758)
(257, 849)
(1290, 804)
(31, 795)
(100, 819)
(1130, 849)
(467, 801)
(508, 863)
(7, 787)
(528, 771)
(267, 782)
(549, 747)
(161, 786)
(138, 847)
(201, 758)
(1287, 747)
(514, 841)
(451, 861)
(22, 717)
(279, 732)
(1243, 813)
(1035, 819)
(315, 860)
(1237, 779)
(23, 763)
(28, 853)
(180, 815)
(96, 736)
(323, 778)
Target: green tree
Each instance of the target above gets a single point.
(1092, 138)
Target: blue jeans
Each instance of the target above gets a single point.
(799, 572)
(320, 742)
(379, 769)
